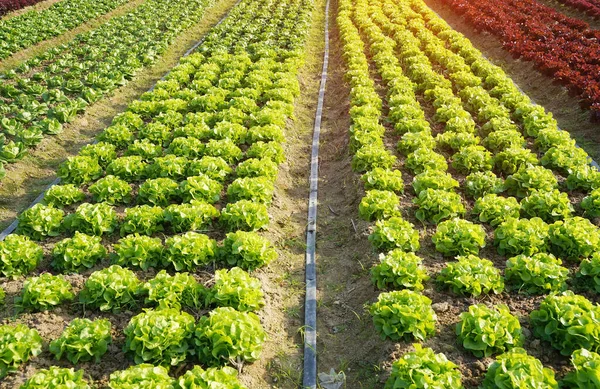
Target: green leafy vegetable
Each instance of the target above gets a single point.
(398, 269)
(111, 289)
(472, 275)
(83, 340)
(44, 292)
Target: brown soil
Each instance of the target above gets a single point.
(26, 179)
(30, 52)
(541, 88)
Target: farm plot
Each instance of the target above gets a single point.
(163, 213)
(51, 89)
(481, 210)
(32, 27)
(7, 6)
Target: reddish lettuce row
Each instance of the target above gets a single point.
(13, 5)
(590, 7)
(564, 48)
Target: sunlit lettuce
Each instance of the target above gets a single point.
(196, 215)
(472, 275)
(379, 204)
(226, 334)
(471, 159)
(83, 340)
(436, 205)
(247, 250)
(574, 238)
(214, 167)
(40, 221)
(245, 215)
(18, 344)
(539, 273)
(103, 152)
(479, 184)
(589, 270)
(166, 291)
(143, 375)
(415, 140)
(57, 377)
(456, 140)
(372, 156)
(270, 150)
(161, 337)
(158, 191)
(458, 237)
(19, 256)
(487, 331)
(425, 159)
(44, 292)
(79, 170)
(93, 219)
(111, 190)
(424, 368)
(111, 289)
(494, 209)
(169, 166)
(587, 370)
(433, 179)
(515, 369)
(403, 315)
(568, 321)
(188, 251)
(565, 158)
(138, 251)
(398, 269)
(549, 206)
(591, 204)
(143, 219)
(393, 233)
(510, 160)
(218, 378)
(63, 195)
(237, 289)
(585, 178)
(129, 168)
(78, 253)
(256, 189)
(521, 236)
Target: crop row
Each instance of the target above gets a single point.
(13, 5)
(159, 177)
(44, 92)
(437, 82)
(562, 47)
(591, 7)
(23, 31)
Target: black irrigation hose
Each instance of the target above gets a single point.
(13, 226)
(310, 306)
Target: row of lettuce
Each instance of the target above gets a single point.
(41, 94)
(486, 127)
(207, 137)
(29, 28)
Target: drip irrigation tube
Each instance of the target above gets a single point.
(13, 226)
(310, 305)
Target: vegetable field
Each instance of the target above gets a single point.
(457, 234)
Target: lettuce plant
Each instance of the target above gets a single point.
(269, 150)
(487, 331)
(521, 236)
(57, 377)
(19, 256)
(479, 184)
(78, 253)
(456, 140)
(574, 238)
(138, 251)
(403, 315)
(515, 369)
(40, 221)
(118, 135)
(224, 148)
(589, 270)
(254, 167)
(500, 140)
(186, 147)
(237, 289)
(425, 159)
(436, 205)
(202, 188)
(378, 204)
(143, 219)
(245, 215)
(169, 166)
(158, 191)
(196, 378)
(155, 132)
(471, 159)
(111, 190)
(568, 321)
(83, 340)
(79, 170)
(591, 204)
(494, 209)
(93, 219)
(587, 370)
(565, 158)
(585, 178)
(372, 156)
(510, 160)
(433, 179)
(160, 337)
(398, 270)
(458, 237)
(529, 178)
(471, 275)
(102, 152)
(129, 168)
(226, 334)
(549, 206)
(188, 251)
(256, 189)
(145, 149)
(196, 215)
(44, 292)
(214, 167)
(60, 196)
(18, 344)
(247, 250)
(415, 140)
(539, 273)
(393, 233)
(174, 291)
(111, 289)
(424, 368)
(143, 375)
